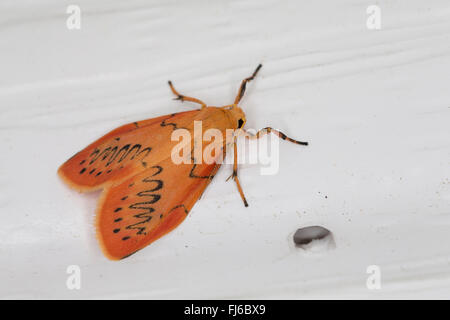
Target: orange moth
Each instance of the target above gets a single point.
(145, 194)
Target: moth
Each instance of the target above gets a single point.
(145, 194)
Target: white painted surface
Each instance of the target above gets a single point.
(373, 104)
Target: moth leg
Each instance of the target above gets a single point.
(244, 85)
(267, 130)
(235, 177)
(184, 98)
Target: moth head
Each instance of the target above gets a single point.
(237, 116)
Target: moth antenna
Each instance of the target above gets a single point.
(183, 98)
(244, 84)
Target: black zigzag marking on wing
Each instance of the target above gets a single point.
(179, 206)
(146, 205)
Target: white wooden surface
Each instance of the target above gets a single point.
(374, 104)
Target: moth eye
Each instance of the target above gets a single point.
(240, 123)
